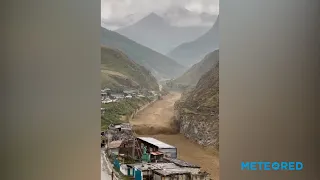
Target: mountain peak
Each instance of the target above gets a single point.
(152, 17)
(215, 25)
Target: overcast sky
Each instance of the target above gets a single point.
(117, 13)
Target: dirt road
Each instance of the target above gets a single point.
(155, 121)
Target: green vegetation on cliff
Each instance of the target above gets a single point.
(114, 112)
(159, 64)
(197, 112)
(118, 71)
(192, 76)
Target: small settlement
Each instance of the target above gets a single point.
(109, 96)
(146, 158)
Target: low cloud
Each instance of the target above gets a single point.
(119, 13)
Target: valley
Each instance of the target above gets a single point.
(162, 83)
(157, 121)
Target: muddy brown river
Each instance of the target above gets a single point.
(155, 121)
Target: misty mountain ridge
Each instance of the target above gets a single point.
(175, 16)
(192, 52)
(161, 66)
(192, 76)
(158, 34)
(119, 72)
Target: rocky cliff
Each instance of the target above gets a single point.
(197, 112)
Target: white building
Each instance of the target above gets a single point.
(128, 96)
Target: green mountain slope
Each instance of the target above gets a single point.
(118, 71)
(160, 65)
(197, 112)
(192, 52)
(192, 76)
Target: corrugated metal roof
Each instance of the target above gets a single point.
(156, 142)
(181, 163)
(167, 172)
(153, 166)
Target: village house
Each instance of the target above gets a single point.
(181, 174)
(116, 96)
(169, 174)
(107, 100)
(131, 92)
(160, 171)
(106, 90)
(121, 126)
(156, 156)
(103, 95)
(154, 145)
(164, 164)
(128, 96)
(194, 169)
(103, 139)
(146, 169)
(140, 95)
(114, 147)
(103, 110)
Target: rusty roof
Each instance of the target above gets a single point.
(156, 153)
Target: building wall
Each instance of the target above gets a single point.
(114, 151)
(181, 177)
(124, 169)
(172, 153)
(131, 171)
(193, 170)
(177, 177)
(173, 177)
(200, 177)
(156, 177)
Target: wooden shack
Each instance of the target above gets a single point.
(154, 145)
(114, 147)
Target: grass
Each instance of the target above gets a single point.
(141, 54)
(117, 70)
(115, 111)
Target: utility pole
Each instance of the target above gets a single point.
(112, 175)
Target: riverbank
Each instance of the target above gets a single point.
(156, 121)
(122, 111)
(157, 117)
